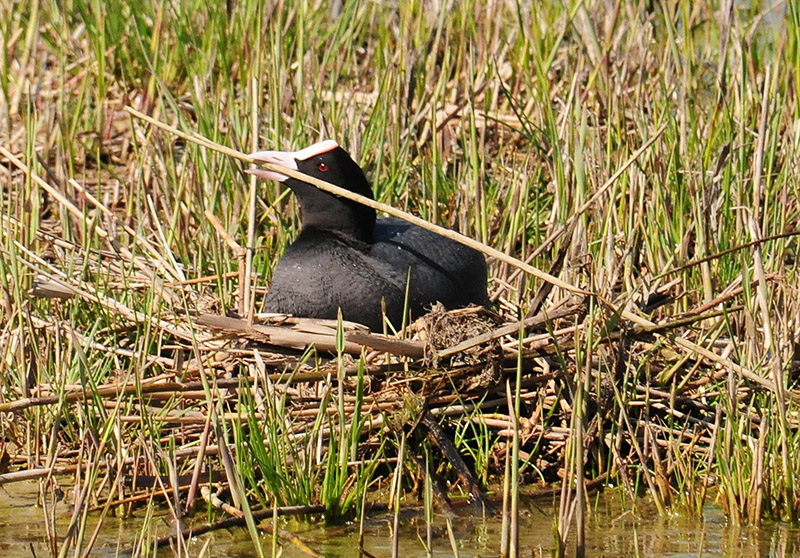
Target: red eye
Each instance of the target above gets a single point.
(322, 167)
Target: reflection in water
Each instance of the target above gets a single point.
(612, 531)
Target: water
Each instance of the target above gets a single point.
(612, 532)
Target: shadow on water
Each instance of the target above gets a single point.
(612, 531)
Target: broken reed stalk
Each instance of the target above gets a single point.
(394, 212)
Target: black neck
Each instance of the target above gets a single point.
(323, 211)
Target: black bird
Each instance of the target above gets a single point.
(346, 258)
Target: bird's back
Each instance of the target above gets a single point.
(322, 272)
(441, 269)
(407, 266)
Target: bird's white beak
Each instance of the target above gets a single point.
(284, 159)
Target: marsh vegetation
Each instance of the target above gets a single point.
(631, 169)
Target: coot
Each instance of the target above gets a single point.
(346, 258)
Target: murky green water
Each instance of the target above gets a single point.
(612, 532)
